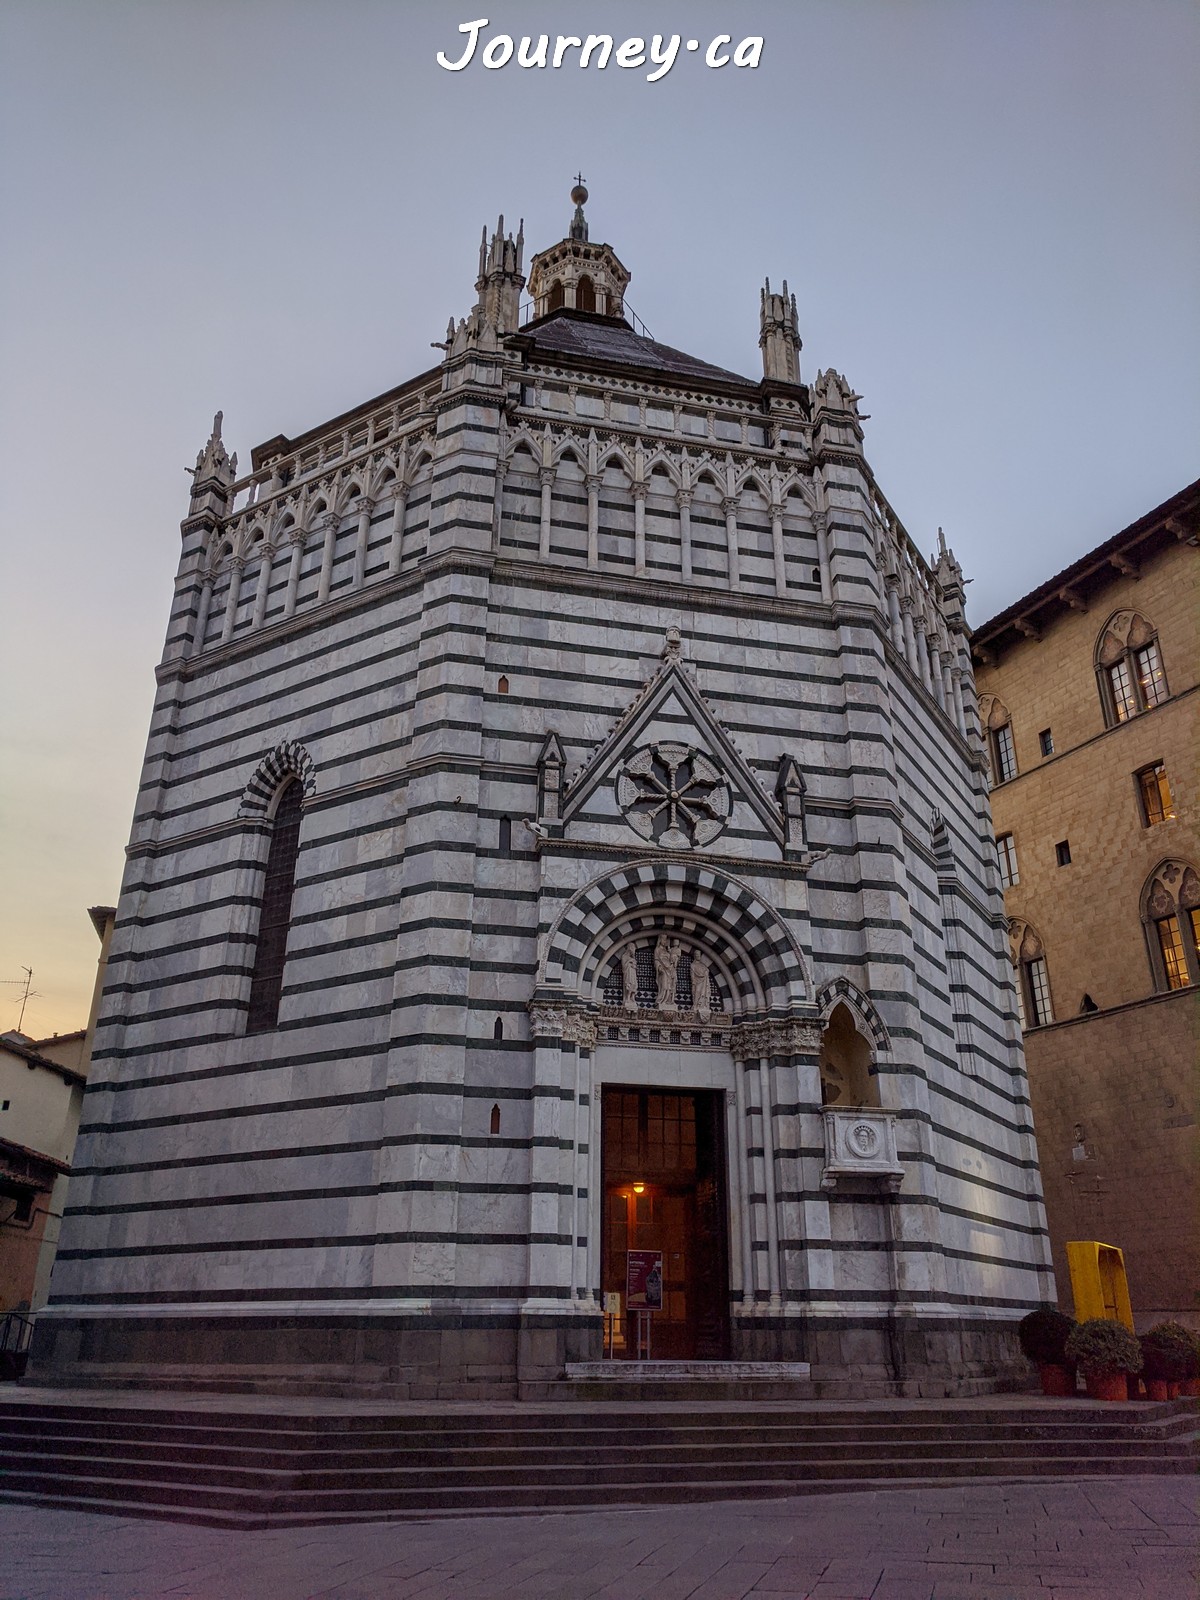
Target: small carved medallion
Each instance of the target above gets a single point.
(674, 795)
(863, 1139)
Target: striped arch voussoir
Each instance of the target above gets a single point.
(828, 996)
(289, 760)
(650, 891)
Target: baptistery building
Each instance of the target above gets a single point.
(563, 833)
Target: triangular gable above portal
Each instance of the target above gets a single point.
(710, 762)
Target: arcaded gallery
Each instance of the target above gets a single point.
(562, 924)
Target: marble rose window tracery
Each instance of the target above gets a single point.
(674, 795)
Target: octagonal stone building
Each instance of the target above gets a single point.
(563, 833)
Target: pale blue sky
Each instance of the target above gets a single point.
(988, 212)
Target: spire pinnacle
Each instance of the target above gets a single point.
(579, 227)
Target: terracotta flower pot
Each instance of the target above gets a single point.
(1056, 1380)
(1107, 1385)
(1172, 1391)
(1191, 1388)
(1156, 1389)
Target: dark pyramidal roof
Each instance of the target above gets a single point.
(597, 338)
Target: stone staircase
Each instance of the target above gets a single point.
(262, 1463)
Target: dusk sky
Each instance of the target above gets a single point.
(988, 213)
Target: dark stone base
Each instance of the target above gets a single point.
(445, 1355)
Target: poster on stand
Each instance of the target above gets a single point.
(643, 1281)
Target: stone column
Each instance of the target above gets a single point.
(364, 507)
(768, 1146)
(960, 714)
(777, 548)
(740, 1116)
(892, 584)
(236, 564)
(804, 1223)
(639, 529)
(206, 589)
(593, 515)
(910, 637)
(581, 1030)
(330, 526)
(820, 522)
(264, 584)
(549, 1253)
(296, 540)
(546, 479)
(396, 547)
(730, 507)
(683, 500)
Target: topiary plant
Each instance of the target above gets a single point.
(1043, 1336)
(1169, 1352)
(1101, 1346)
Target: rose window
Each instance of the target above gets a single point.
(674, 795)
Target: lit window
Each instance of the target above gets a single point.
(1155, 790)
(1006, 854)
(1062, 852)
(1171, 913)
(1121, 685)
(1170, 944)
(1129, 668)
(1152, 686)
(1046, 741)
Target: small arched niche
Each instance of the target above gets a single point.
(845, 1063)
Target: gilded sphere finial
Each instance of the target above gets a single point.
(579, 194)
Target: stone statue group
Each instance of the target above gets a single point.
(667, 954)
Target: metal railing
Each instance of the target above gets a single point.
(528, 313)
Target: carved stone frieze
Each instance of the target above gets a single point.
(579, 1029)
(757, 1041)
(547, 1022)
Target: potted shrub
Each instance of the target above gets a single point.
(1043, 1336)
(1169, 1358)
(1108, 1354)
(1191, 1386)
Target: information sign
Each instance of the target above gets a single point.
(643, 1281)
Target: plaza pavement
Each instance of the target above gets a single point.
(1110, 1538)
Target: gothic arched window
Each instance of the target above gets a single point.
(585, 294)
(557, 296)
(266, 981)
(998, 736)
(1171, 916)
(1034, 1005)
(1129, 668)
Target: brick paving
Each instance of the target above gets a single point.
(1112, 1538)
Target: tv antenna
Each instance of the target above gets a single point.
(28, 992)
